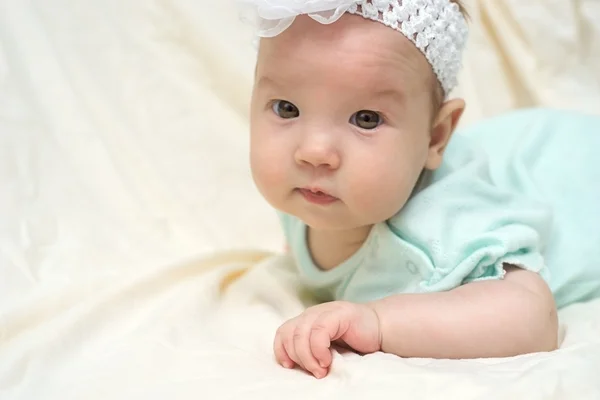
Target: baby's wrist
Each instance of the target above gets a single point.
(373, 307)
(392, 313)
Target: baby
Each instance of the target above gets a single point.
(414, 243)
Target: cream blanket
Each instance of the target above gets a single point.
(123, 166)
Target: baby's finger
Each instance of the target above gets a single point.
(287, 339)
(280, 354)
(303, 350)
(320, 339)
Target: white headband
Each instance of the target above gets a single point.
(436, 27)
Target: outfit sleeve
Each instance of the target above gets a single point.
(468, 228)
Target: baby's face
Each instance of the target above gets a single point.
(340, 122)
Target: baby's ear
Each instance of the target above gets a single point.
(443, 127)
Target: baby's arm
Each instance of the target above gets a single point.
(499, 318)
(494, 318)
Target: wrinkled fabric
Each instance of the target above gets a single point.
(529, 54)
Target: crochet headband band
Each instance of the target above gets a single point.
(436, 27)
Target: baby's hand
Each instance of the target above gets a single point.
(305, 340)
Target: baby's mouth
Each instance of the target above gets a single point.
(317, 196)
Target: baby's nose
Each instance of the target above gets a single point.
(318, 152)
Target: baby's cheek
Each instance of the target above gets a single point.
(268, 173)
(382, 192)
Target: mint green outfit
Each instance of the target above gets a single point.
(520, 189)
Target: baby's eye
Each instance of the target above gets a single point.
(366, 119)
(285, 109)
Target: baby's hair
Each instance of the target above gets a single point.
(462, 7)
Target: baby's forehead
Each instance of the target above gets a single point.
(351, 33)
(352, 48)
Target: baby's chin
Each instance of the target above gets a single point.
(333, 222)
(330, 226)
(337, 216)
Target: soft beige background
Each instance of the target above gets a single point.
(123, 153)
(532, 53)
